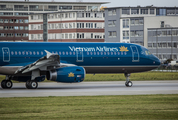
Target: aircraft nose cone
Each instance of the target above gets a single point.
(157, 61)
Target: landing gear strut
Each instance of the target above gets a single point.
(7, 83)
(31, 84)
(128, 83)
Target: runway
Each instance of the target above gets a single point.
(92, 89)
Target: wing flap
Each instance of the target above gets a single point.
(50, 59)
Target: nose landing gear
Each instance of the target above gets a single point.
(128, 83)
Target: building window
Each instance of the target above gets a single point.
(6, 20)
(152, 11)
(88, 15)
(1, 20)
(126, 11)
(125, 23)
(171, 11)
(111, 23)
(80, 15)
(10, 34)
(162, 24)
(11, 27)
(112, 34)
(16, 20)
(93, 8)
(111, 12)
(6, 27)
(134, 11)
(79, 8)
(80, 35)
(11, 21)
(161, 12)
(20, 20)
(26, 21)
(66, 15)
(2, 34)
(66, 35)
(125, 34)
(136, 33)
(65, 7)
(137, 21)
(21, 27)
(16, 27)
(144, 11)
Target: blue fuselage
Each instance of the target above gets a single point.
(94, 57)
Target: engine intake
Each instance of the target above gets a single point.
(67, 74)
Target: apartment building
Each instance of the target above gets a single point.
(68, 26)
(14, 15)
(148, 26)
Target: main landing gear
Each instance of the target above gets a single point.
(31, 84)
(7, 83)
(128, 83)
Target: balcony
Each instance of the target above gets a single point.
(20, 9)
(6, 9)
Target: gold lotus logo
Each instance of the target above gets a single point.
(122, 48)
(71, 74)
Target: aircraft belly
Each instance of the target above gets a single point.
(8, 70)
(119, 69)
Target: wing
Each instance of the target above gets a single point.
(48, 62)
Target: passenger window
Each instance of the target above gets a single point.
(66, 53)
(98, 53)
(12, 53)
(19, 53)
(34, 53)
(70, 53)
(59, 53)
(30, 53)
(63, 53)
(37, 53)
(41, 52)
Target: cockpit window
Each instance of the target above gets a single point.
(147, 52)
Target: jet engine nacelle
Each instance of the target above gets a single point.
(67, 74)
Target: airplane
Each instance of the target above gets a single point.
(33, 62)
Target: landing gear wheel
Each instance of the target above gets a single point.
(3, 84)
(128, 84)
(31, 84)
(28, 84)
(6, 84)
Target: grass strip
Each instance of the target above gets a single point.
(145, 76)
(91, 107)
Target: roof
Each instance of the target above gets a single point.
(38, 2)
(65, 12)
(140, 7)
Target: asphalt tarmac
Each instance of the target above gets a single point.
(92, 89)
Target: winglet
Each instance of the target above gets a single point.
(48, 53)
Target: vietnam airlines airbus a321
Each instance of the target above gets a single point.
(69, 62)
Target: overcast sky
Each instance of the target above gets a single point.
(119, 3)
